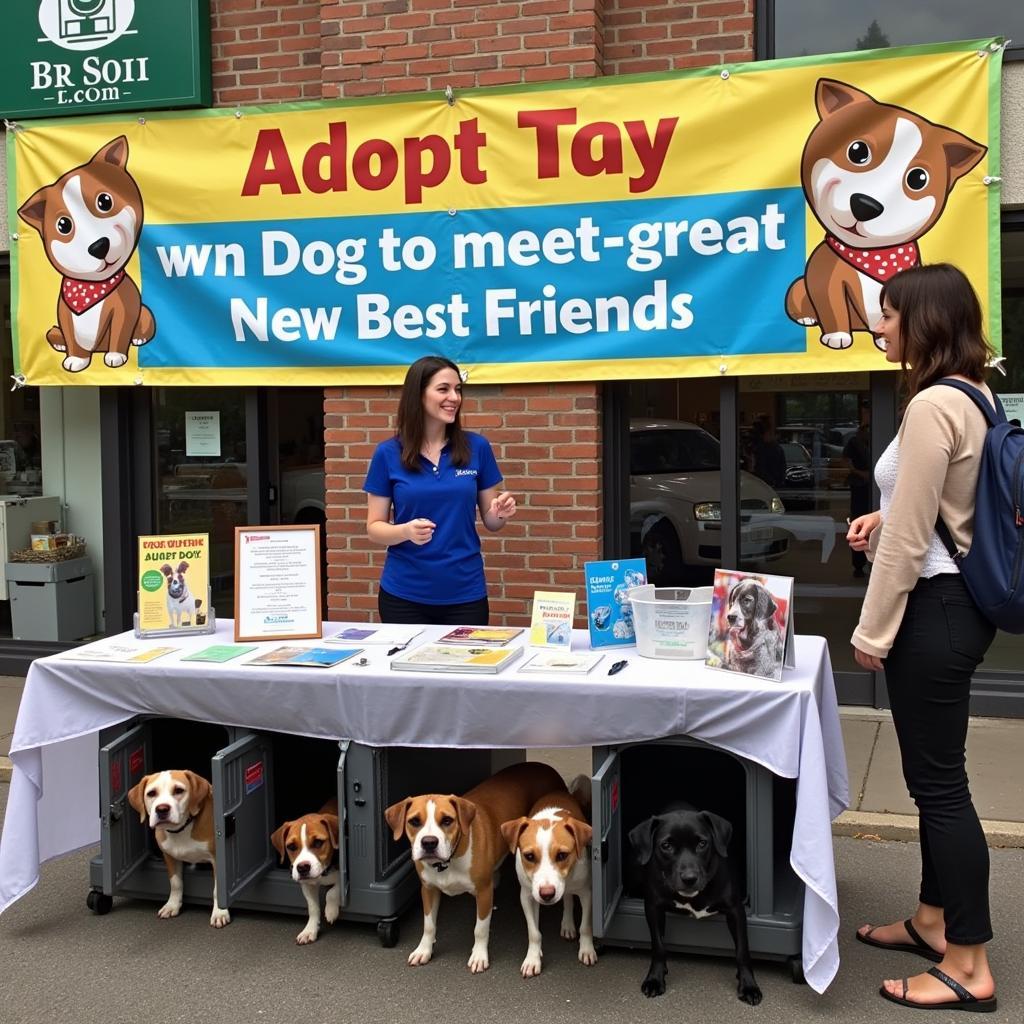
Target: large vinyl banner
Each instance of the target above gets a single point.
(731, 220)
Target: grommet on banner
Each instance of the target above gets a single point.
(19, 381)
(723, 368)
(15, 236)
(138, 380)
(449, 95)
(452, 211)
(142, 120)
(991, 179)
(238, 114)
(725, 73)
(12, 126)
(996, 362)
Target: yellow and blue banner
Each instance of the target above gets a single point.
(727, 220)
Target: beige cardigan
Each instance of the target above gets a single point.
(941, 438)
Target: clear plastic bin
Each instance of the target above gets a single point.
(671, 622)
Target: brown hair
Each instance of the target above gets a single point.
(941, 331)
(411, 419)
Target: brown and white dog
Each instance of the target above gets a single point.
(178, 805)
(550, 847)
(311, 845)
(181, 604)
(89, 220)
(457, 845)
(877, 178)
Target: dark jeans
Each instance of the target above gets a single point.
(397, 609)
(941, 641)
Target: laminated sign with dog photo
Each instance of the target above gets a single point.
(174, 577)
(751, 629)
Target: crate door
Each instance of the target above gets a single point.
(124, 838)
(606, 845)
(242, 808)
(342, 824)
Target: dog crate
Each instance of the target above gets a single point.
(633, 781)
(260, 780)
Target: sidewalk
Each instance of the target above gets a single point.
(879, 804)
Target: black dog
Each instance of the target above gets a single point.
(683, 856)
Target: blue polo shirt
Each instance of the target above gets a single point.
(448, 569)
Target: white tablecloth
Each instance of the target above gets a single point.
(791, 728)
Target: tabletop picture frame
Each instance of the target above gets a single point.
(277, 583)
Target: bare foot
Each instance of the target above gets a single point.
(929, 990)
(896, 934)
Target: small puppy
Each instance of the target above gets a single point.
(550, 847)
(180, 602)
(684, 860)
(311, 845)
(754, 643)
(457, 845)
(179, 808)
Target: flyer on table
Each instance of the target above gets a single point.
(174, 577)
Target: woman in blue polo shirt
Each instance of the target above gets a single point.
(424, 487)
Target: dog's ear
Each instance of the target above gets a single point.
(114, 152)
(961, 152)
(331, 824)
(512, 830)
(721, 831)
(277, 838)
(137, 797)
(183, 567)
(167, 571)
(642, 839)
(33, 210)
(766, 606)
(830, 96)
(580, 832)
(465, 810)
(395, 817)
(200, 791)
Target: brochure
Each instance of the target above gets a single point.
(173, 582)
(609, 613)
(480, 636)
(751, 630)
(316, 657)
(551, 622)
(220, 653)
(454, 658)
(124, 652)
(385, 636)
(558, 662)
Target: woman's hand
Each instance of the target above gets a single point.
(503, 506)
(859, 534)
(419, 531)
(865, 660)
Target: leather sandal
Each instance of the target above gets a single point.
(916, 945)
(964, 1000)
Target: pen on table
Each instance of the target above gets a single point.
(395, 650)
(617, 667)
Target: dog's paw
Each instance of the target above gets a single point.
(478, 960)
(531, 965)
(588, 955)
(140, 341)
(219, 918)
(837, 340)
(306, 936)
(172, 908)
(748, 991)
(806, 321)
(115, 359)
(55, 337)
(568, 931)
(74, 364)
(421, 955)
(653, 985)
(332, 911)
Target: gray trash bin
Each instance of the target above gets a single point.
(51, 600)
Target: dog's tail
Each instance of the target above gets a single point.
(580, 790)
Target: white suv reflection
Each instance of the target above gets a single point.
(675, 504)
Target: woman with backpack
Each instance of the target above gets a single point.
(920, 625)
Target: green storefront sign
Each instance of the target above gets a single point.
(69, 57)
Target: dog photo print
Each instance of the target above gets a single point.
(751, 629)
(174, 578)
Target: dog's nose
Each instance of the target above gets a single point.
(546, 893)
(731, 619)
(688, 882)
(303, 868)
(162, 810)
(429, 844)
(100, 248)
(863, 207)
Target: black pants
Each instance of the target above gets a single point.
(397, 609)
(941, 641)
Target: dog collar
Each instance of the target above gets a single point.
(80, 295)
(881, 264)
(175, 831)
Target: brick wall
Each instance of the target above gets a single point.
(547, 437)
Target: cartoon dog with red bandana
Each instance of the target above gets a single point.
(89, 220)
(877, 178)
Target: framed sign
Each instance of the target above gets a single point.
(277, 583)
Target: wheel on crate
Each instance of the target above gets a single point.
(99, 902)
(796, 970)
(387, 932)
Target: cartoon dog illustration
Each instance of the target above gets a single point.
(180, 602)
(754, 643)
(877, 178)
(89, 220)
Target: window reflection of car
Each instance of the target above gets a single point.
(827, 465)
(675, 504)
